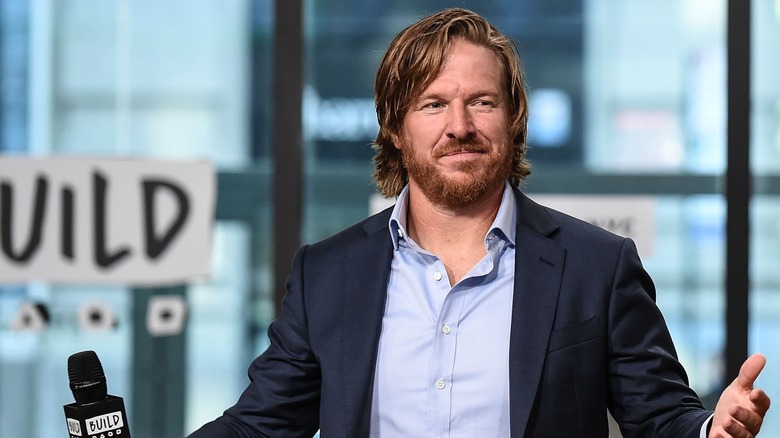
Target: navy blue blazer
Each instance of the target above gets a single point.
(586, 336)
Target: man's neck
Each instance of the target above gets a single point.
(456, 236)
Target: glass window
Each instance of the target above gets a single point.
(172, 80)
(655, 93)
(129, 79)
(765, 208)
(14, 77)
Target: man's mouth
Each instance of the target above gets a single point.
(456, 151)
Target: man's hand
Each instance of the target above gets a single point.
(741, 408)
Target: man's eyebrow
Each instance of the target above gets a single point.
(492, 93)
(478, 93)
(429, 95)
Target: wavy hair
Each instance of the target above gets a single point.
(412, 62)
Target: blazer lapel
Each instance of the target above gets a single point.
(538, 272)
(365, 294)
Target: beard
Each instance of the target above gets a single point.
(481, 176)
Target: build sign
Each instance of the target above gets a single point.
(80, 220)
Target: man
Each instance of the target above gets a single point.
(467, 310)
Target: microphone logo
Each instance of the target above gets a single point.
(105, 422)
(95, 414)
(74, 427)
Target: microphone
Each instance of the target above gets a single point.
(95, 414)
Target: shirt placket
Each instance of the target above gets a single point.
(445, 335)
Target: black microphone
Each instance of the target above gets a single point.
(95, 414)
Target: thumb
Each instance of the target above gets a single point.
(750, 370)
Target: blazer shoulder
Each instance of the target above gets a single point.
(582, 227)
(369, 227)
(564, 228)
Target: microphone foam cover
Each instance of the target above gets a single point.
(87, 379)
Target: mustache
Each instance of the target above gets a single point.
(461, 145)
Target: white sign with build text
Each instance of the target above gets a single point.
(128, 221)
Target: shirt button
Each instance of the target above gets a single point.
(437, 276)
(446, 329)
(440, 384)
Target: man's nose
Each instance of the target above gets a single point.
(459, 123)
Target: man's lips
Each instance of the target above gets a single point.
(459, 152)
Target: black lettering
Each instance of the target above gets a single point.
(157, 243)
(6, 219)
(66, 226)
(102, 257)
(620, 226)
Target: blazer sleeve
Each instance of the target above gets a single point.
(650, 395)
(283, 396)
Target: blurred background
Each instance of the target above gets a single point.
(628, 97)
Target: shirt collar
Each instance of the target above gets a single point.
(503, 225)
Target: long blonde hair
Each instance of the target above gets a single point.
(413, 60)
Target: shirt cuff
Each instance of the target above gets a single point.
(705, 426)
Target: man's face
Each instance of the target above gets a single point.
(455, 136)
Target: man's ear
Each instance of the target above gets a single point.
(395, 139)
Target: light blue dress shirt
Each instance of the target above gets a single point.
(442, 366)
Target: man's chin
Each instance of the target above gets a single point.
(457, 194)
